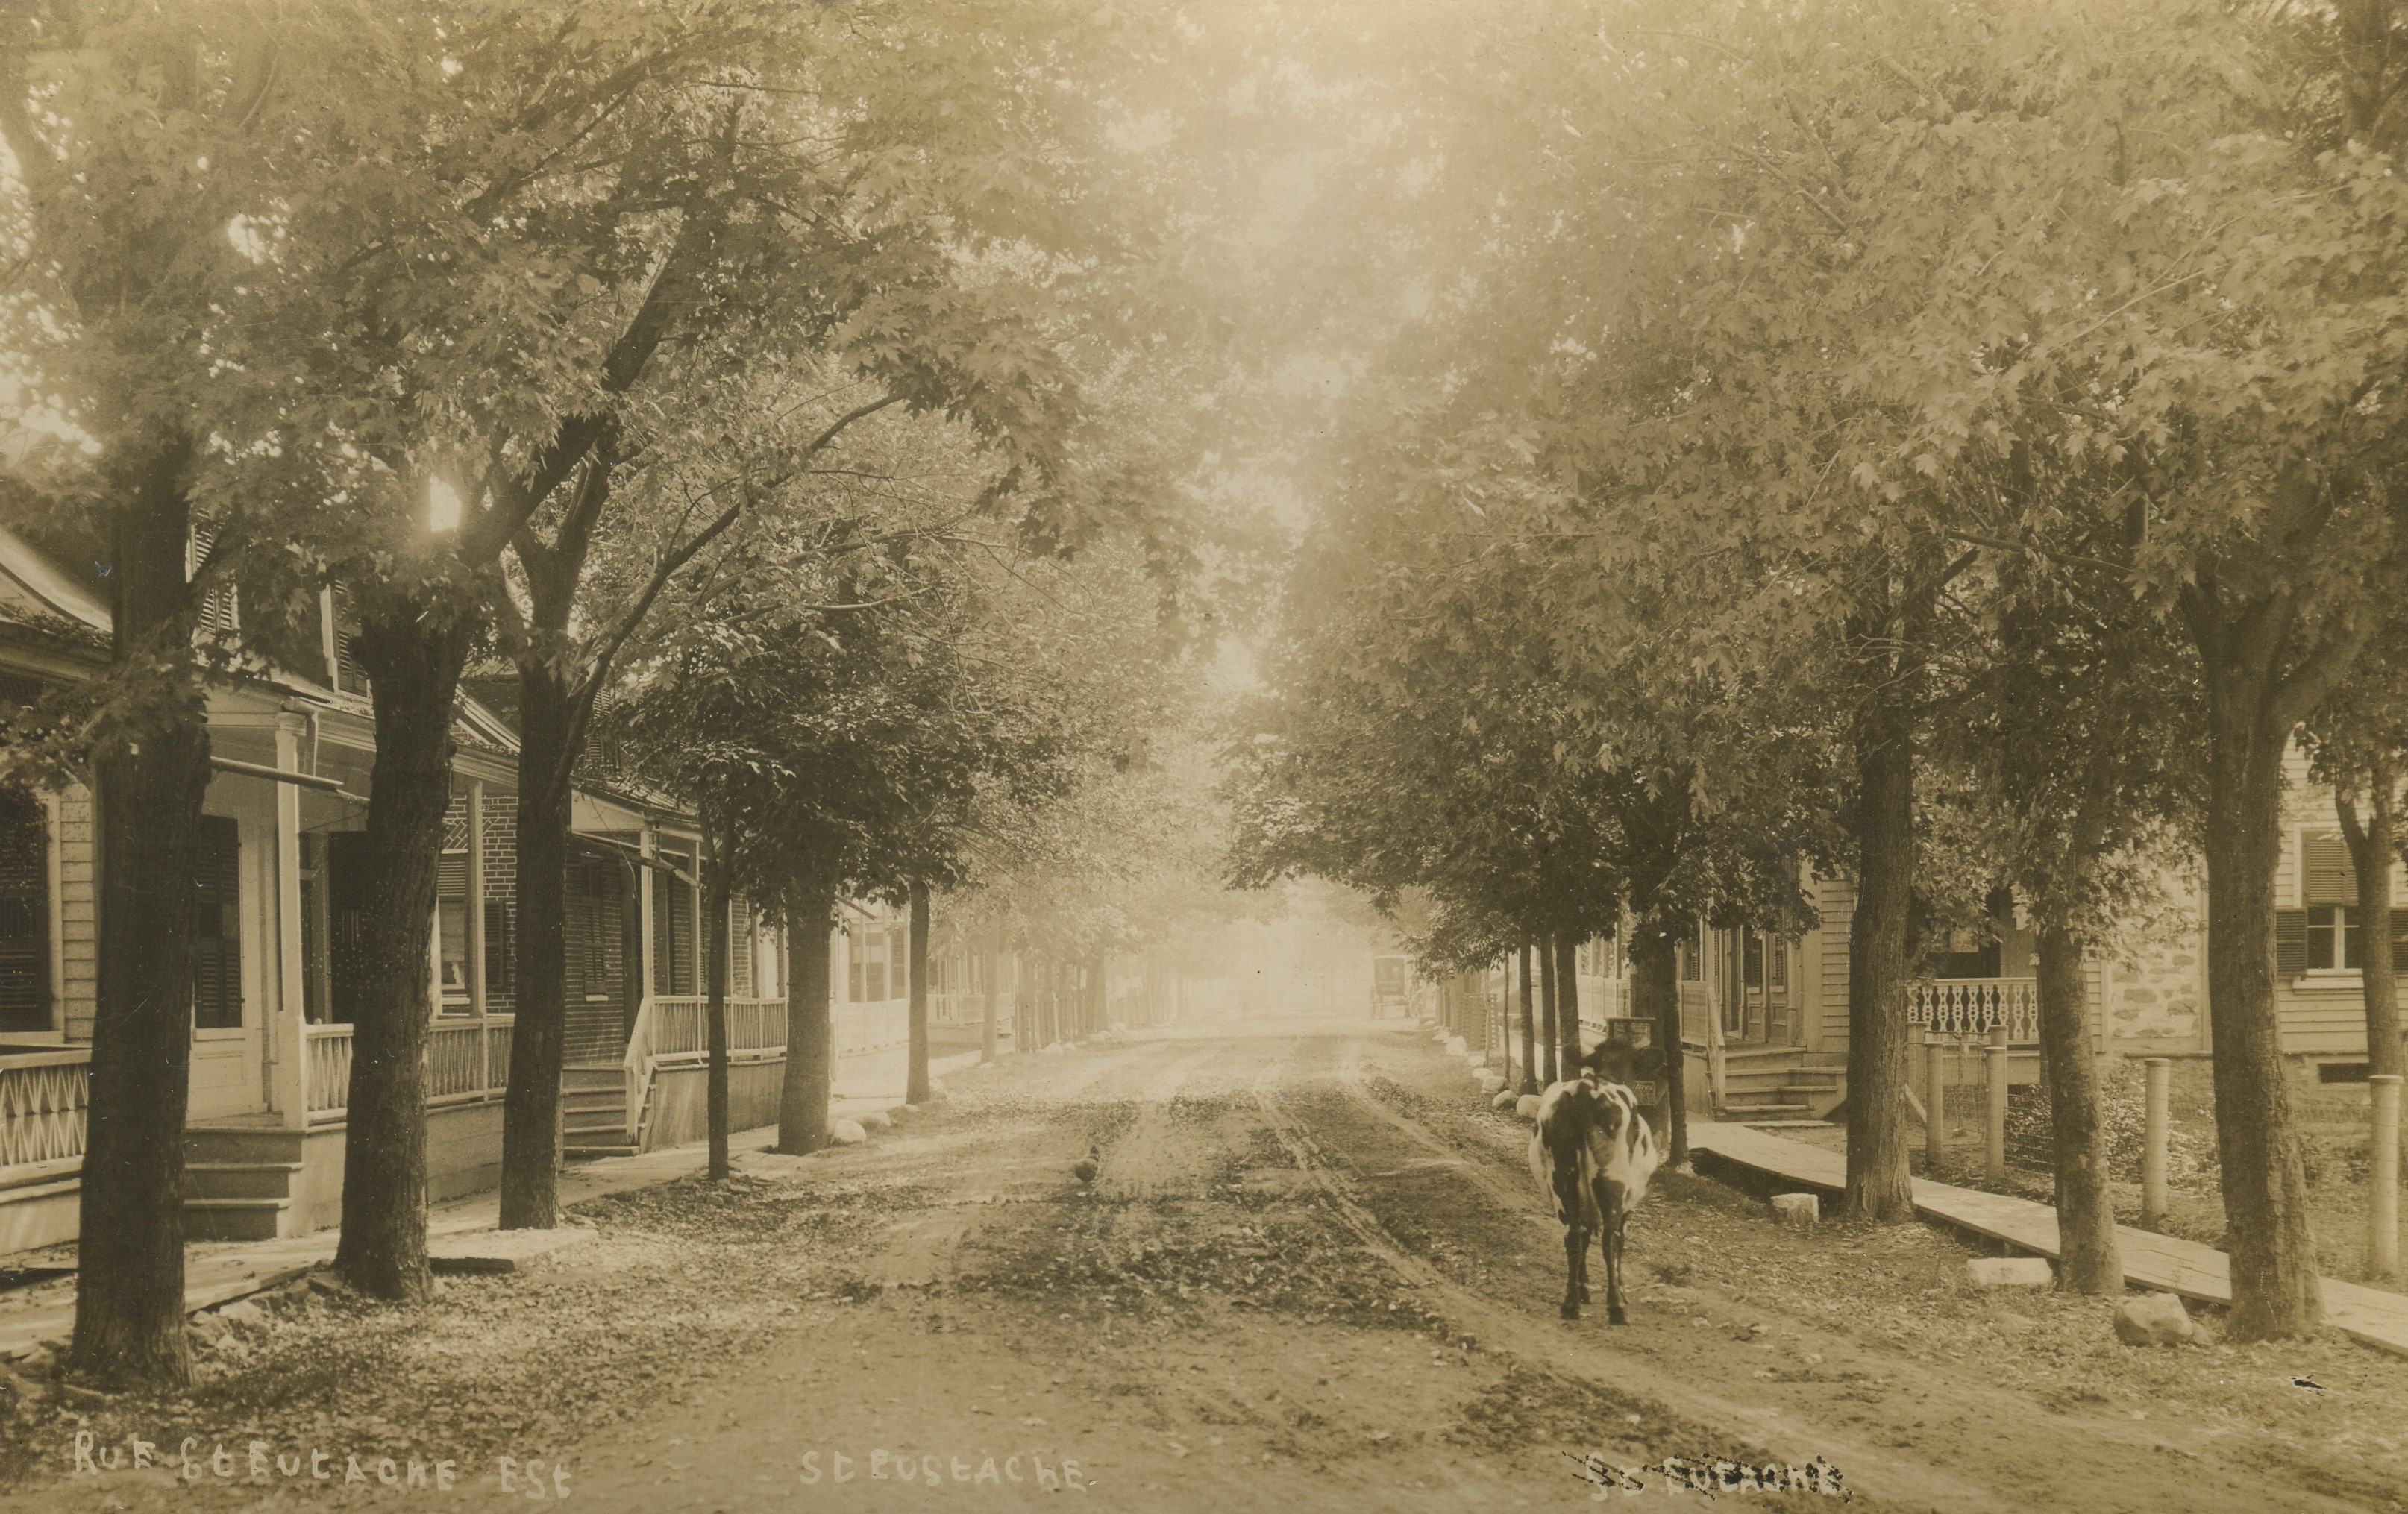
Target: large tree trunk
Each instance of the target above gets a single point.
(2370, 851)
(2085, 1215)
(1530, 1029)
(987, 1027)
(2275, 1286)
(811, 1060)
(413, 649)
(1878, 1182)
(1548, 1000)
(915, 1084)
(129, 1324)
(1567, 1004)
(714, 1005)
(531, 1106)
(1656, 995)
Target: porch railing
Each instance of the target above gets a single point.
(1696, 1012)
(1969, 1007)
(467, 1062)
(880, 1025)
(673, 1030)
(44, 1097)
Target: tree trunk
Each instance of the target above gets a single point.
(1567, 1002)
(714, 1006)
(986, 1030)
(412, 648)
(531, 1105)
(129, 1323)
(1656, 993)
(2275, 1286)
(1529, 1030)
(2371, 852)
(1547, 1003)
(915, 1087)
(1878, 1182)
(810, 1064)
(2085, 1214)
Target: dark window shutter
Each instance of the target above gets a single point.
(2290, 942)
(217, 926)
(2325, 874)
(24, 913)
(347, 904)
(2399, 939)
(500, 960)
(349, 675)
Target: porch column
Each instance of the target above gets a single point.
(476, 921)
(285, 1031)
(649, 840)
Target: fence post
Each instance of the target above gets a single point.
(1935, 1056)
(1996, 1052)
(2382, 1214)
(2158, 1132)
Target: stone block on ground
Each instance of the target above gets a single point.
(1490, 1079)
(243, 1312)
(2153, 1319)
(1526, 1106)
(209, 1327)
(1799, 1211)
(1456, 1045)
(2009, 1272)
(847, 1133)
(876, 1120)
(1504, 1099)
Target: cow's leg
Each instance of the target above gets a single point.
(1575, 1249)
(1610, 1240)
(1583, 1266)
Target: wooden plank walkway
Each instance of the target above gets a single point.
(2173, 1265)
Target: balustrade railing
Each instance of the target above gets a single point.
(673, 1030)
(1696, 1012)
(1969, 1007)
(43, 1099)
(329, 1090)
(467, 1062)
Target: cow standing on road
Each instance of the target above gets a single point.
(1593, 1154)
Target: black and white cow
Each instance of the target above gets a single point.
(1593, 1154)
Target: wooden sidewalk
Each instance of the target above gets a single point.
(2161, 1261)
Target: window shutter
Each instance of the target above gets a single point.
(346, 903)
(24, 913)
(2399, 941)
(2325, 874)
(217, 606)
(217, 926)
(349, 677)
(2290, 942)
(500, 960)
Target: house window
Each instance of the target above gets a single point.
(673, 921)
(867, 957)
(1751, 959)
(1693, 958)
(24, 913)
(217, 926)
(451, 929)
(2335, 941)
(1776, 951)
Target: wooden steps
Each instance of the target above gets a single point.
(594, 1112)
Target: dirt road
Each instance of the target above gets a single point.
(1310, 1271)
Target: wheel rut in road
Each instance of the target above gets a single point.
(2071, 1459)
